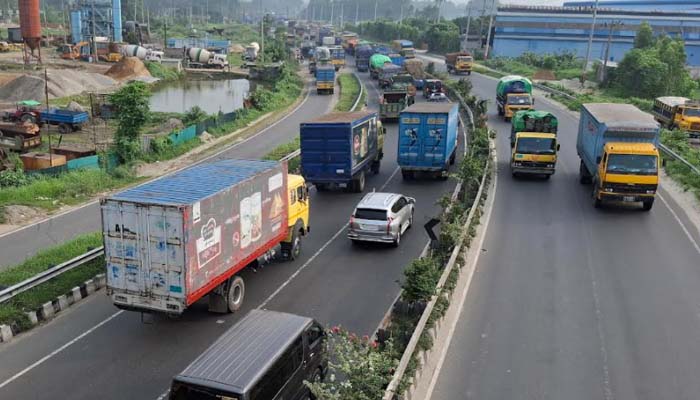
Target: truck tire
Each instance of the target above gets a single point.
(453, 157)
(358, 184)
(594, 196)
(321, 187)
(63, 128)
(406, 175)
(292, 250)
(375, 167)
(647, 205)
(235, 293)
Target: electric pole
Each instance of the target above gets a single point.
(357, 11)
(488, 34)
(469, 20)
(376, 3)
(332, 10)
(590, 42)
(612, 25)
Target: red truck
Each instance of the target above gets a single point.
(174, 240)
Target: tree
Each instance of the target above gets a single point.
(645, 36)
(366, 368)
(133, 111)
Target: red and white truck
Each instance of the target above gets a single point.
(176, 239)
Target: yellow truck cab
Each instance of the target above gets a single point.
(513, 94)
(298, 219)
(461, 62)
(678, 113)
(618, 147)
(533, 143)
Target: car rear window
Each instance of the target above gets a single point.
(368, 213)
(182, 391)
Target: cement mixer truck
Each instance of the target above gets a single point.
(142, 53)
(251, 51)
(202, 58)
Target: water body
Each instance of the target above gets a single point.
(211, 96)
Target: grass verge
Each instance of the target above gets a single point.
(282, 150)
(162, 149)
(349, 90)
(13, 311)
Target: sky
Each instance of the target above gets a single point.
(525, 2)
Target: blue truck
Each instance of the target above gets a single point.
(362, 55)
(325, 79)
(428, 139)
(29, 111)
(340, 148)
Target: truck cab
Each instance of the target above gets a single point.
(298, 219)
(534, 153)
(627, 172)
(516, 102)
(687, 118)
(219, 60)
(678, 113)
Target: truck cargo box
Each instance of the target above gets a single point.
(172, 240)
(336, 146)
(609, 122)
(427, 136)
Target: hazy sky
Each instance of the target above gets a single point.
(525, 2)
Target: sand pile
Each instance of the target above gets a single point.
(128, 68)
(62, 83)
(236, 48)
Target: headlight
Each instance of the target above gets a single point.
(651, 191)
(550, 165)
(608, 189)
(517, 164)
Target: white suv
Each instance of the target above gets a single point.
(381, 217)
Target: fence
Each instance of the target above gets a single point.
(192, 131)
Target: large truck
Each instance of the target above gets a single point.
(362, 55)
(678, 113)
(66, 120)
(337, 57)
(387, 73)
(393, 100)
(202, 58)
(174, 240)
(533, 143)
(458, 63)
(404, 47)
(325, 79)
(339, 149)
(376, 62)
(428, 139)
(618, 147)
(513, 93)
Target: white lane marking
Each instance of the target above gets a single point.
(463, 295)
(683, 227)
(225, 149)
(58, 350)
(318, 252)
(164, 395)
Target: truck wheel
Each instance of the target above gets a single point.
(646, 205)
(406, 175)
(453, 157)
(292, 250)
(359, 183)
(64, 128)
(375, 167)
(321, 187)
(28, 118)
(596, 201)
(236, 292)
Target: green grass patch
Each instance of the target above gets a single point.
(282, 150)
(349, 90)
(678, 142)
(12, 312)
(162, 72)
(163, 149)
(73, 187)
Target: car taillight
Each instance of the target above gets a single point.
(388, 224)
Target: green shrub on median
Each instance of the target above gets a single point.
(349, 90)
(13, 311)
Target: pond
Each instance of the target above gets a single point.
(211, 96)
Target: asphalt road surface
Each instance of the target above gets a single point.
(570, 302)
(94, 351)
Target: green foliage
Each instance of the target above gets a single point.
(282, 151)
(442, 37)
(349, 90)
(162, 72)
(162, 148)
(678, 142)
(12, 312)
(421, 278)
(645, 36)
(194, 115)
(13, 178)
(364, 367)
(131, 102)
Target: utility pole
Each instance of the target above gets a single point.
(401, 17)
(469, 20)
(342, 14)
(46, 92)
(612, 25)
(590, 42)
(376, 3)
(357, 11)
(332, 10)
(488, 34)
(94, 33)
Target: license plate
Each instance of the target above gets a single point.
(628, 198)
(368, 227)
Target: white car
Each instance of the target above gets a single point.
(381, 217)
(438, 98)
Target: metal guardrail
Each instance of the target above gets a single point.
(49, 274)
(359, 95)
(678, 157)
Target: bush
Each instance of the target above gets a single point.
(421, 278)
(193, 116)
(13, 178)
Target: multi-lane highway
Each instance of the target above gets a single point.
(95, 351)
(571, 302)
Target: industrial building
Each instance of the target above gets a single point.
(541, 30)
(96, 19)
(641, 5)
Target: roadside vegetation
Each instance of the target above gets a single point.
(164, 73)
(282, 151)
(13, 312)
(349, 90)
(678, 142)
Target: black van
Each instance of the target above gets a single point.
(266, 356)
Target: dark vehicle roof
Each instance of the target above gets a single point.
(240, 357)
(429, 108)
(342, 117)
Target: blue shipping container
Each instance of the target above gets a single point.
(337, 146)
(325, 73)
(604, 122)
(396, 59)
(428, 137)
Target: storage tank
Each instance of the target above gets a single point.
(199, 55)
(133, 50)
(76, 26)
(117, 20)
(30, 22)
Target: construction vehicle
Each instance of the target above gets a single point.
(678, 113)
(462, 62)
(72, 51)
(533, 143)
(66, 120)
(202, 58)
(19, 136)
(513, 93)
(618, 147)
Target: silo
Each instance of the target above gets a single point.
(76, 26)
(117, 20)
(30, 22)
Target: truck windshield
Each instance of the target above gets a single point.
(522, 99)
(632, 164)
(464, 59)
(536, 146)
(691, 112)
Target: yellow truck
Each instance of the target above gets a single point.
(618, 147)
(533, 143)
(458, 63)
(678, 113)
(513, 93)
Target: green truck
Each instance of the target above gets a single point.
(393, 100)
(376, 62)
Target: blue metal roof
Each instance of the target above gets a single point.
(195, 183)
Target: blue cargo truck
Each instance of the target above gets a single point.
(428, 139)
(339, 149)
(362, 55)
(325, 79)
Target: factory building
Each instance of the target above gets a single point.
(542, 30)
(641, 5)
